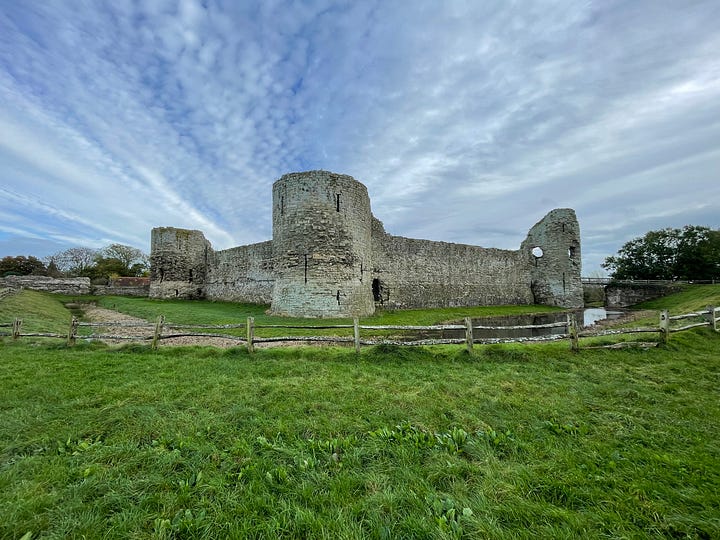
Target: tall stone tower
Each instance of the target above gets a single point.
(321, 246)
(178, 263)
(552, 248)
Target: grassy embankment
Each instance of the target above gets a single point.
(692, 298)
(510, 442)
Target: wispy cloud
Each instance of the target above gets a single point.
(467, 121)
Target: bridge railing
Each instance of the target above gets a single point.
(608, 281)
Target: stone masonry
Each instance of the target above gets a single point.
(79, 285)
(330, 257)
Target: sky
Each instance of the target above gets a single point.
(467, 120)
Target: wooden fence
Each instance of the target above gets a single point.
(162, 330)
(6, 291)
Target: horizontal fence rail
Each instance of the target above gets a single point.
(162, 330)
(7, 291)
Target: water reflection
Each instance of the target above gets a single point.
(588, 317)
(593, 315)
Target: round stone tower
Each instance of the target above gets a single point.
(321, 246)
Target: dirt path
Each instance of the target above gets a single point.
(100, 315)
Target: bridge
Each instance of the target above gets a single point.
(607, 281)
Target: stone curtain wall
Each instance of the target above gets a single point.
(321, 246)
(79, 285)
(421, 273)
(622, 295)
(241, 274)
(329, 257)
(124, 286)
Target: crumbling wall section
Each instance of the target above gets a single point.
(79, 285)
(241, 274)
(552, 251)
(178, 263)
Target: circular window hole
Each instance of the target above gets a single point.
(537, 252)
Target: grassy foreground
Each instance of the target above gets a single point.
(511, 442)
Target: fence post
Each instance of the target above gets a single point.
(250, 334)
(72, 331)
(356, 334)
(469, 334)
(573, 331)
(158, 331)
(17, 324)
(664, 326)
(711, 314)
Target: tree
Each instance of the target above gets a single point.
(107, 267)
(53, 270)
(74, 262)
(22, 266)
(135, 262)
(115, 259)
(698, 256)
(690, 253)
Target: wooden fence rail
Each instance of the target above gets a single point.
(162, 330)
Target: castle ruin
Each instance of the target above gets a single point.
(330, 257)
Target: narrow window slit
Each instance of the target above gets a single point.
(337, 202)
(306, 267)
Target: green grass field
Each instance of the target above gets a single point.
(203, 312)
(510, 442)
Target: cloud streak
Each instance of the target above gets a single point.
(467, 121)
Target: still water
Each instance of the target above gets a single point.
(593, 315)
(589, 317)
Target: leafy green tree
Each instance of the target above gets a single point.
(698, 255)
(134, 261)
(119, 260)
(690, 253)
(107, 267)
(22, 266)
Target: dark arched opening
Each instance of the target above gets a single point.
(376, 290)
